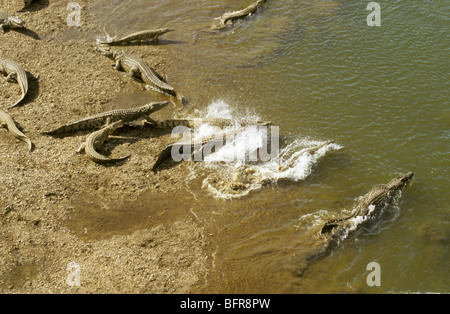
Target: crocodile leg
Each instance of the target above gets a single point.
(149, 120)
(135, 73)
(108, 121)
(82, 147)
(118, 66)
(3, 125)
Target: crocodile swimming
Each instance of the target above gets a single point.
(6, 121)
(139, 38)
(191, 123)
(309, 151)
(14, 72)
(197, 146)
(327, 236)
(96, 139)
(138, 69)
(105, 118)
(228, 18)
(7, 22)
(370, 203)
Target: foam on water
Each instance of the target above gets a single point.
(107, 38)
(234, 171)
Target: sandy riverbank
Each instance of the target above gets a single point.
(58, 207)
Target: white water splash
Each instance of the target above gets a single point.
(231, 175)
(105, 39)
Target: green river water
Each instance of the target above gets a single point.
(319, 72)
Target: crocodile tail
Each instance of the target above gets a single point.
(58, 131)
(99, 158)
(17, 102)
(162, 157)
(25, 139)
(28, 141)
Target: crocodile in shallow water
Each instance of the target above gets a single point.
(139, 70)
(139, 38)
(310, 151)
(197, 146)
(228, 18)
(191, 123)
(328, 235)
(370, 204)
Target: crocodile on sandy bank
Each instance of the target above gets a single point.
(6, 121)
(228, 18)
(96, 139)
(371, 202)
(105, 118)
(197, 146)
(139, 70)
(191, 123)
(138, 38)
(7, 22)
(14, 72)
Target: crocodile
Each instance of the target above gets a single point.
(228, 18)
(191, 123)
(7, 122)
(139, 38)
(14, 72)
(197, 145)
(96, 139)
(138, 69)
(328, 235)
(370, 203)
(7, 21)
(105, 118)
(309, 151)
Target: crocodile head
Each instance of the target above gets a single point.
(400, 181)
(106, 51)
(152, 107)
(163, 31)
